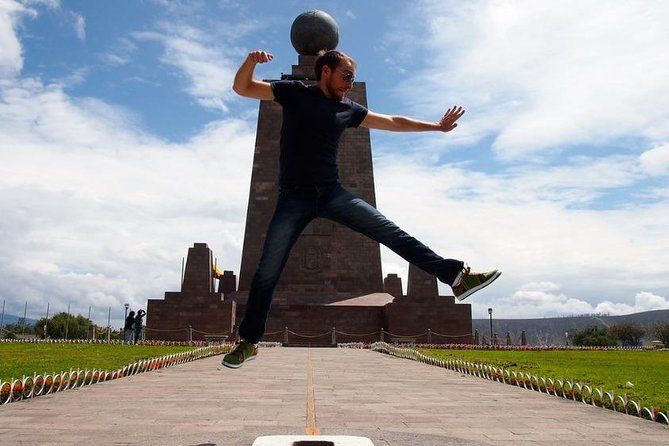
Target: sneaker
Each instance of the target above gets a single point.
(472, 282)
(244, 351)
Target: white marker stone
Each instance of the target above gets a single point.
(312, 440)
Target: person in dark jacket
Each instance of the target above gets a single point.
(138, 325)
(128, 328)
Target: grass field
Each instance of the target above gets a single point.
(608, 370)
(18, 359)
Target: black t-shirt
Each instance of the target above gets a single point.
(312, 126)
(129, 320)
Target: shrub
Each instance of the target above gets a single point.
(628, 334)
(661, 332)
(594, 336)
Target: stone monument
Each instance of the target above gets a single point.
(198, 311)
(333, 279)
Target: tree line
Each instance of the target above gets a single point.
(625, 334)
(60, 326)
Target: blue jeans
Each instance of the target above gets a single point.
(299, 205)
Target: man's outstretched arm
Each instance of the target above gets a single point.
(404, 124)
(245, 85)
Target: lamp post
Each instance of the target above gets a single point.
(126, 316)
(490, 313)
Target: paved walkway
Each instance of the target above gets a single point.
(392, 401)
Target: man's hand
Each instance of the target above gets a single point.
(244, 83)
(447, 122)
(260, 57)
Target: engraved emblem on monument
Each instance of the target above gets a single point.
(311, 259)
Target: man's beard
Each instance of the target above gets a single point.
(334, 93)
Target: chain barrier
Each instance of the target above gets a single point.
(398, 338)
(358, 334)
(165, 331)
(211, 333)
(404, 336)
(452, 336)
(309, 336)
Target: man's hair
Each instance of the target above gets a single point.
(330, 58)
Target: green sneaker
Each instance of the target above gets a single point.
(244, 351)
(472, 282)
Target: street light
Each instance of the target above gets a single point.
(126, 317)
(490, 313)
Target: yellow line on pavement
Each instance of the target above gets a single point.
(311, 406)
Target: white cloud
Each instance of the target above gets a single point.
(535, 76)
(97, 212)
(526, 224)
(541, 299)
(121, 53)
(79, 23)
(50, 4)
(656, 160)
(11, 59)
(208, 65)
(645, 301)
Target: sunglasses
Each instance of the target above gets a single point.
(348, 77)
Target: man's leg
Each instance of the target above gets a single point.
(292, 215)
(350, 210)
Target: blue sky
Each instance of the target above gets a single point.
(121, 143)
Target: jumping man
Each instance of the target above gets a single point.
(314, 117)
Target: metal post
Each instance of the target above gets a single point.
(23, 323)
(490, 313)
(334, 336)
(508, 338)
(89, 323)
(190, 333)
(2, 318)
(429, 336)
(109, 325)
(67, 321)
(285, 335)
(523, 338)
(382, 335)
(46, 320)
(124, 318)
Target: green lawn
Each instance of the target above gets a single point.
(18, 359)
(608, 370)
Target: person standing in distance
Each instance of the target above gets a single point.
(314, 117)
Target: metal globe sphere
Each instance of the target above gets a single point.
(313, 31)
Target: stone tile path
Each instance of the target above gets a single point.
(356, 392)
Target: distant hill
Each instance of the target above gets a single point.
(552, 331)
(11, 319)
